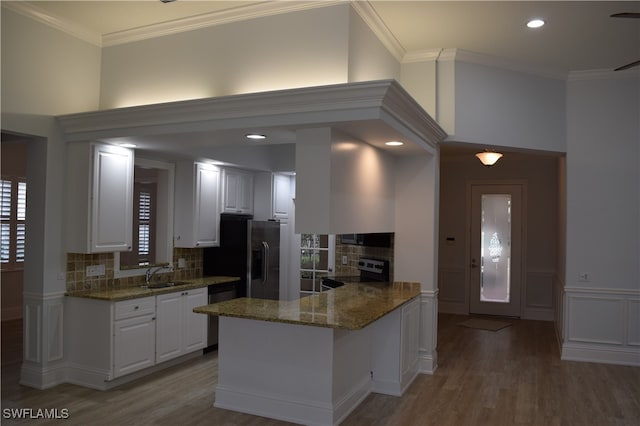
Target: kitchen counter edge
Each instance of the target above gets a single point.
(127, 293)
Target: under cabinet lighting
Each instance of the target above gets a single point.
(128, 145)
(394, 143)
(255, 136)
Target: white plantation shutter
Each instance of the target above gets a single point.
(13, 213)
(144, 226)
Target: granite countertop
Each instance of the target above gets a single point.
(126, 293)
(352, 306)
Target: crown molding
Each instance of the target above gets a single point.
(332, 105)
(31, 11)
(241, 13)
(603, 74)
(379, 28)
(460, 55)
(422, 56)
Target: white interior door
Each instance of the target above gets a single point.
(496, 249)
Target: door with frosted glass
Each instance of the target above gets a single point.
(496, 250)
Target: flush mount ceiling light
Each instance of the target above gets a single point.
(394, 143)
(255, 136)
(535, 23)
(488, 158)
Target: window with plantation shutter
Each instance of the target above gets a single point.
(13, 214)
(144, 240)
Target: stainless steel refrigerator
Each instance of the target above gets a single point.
(249, 249)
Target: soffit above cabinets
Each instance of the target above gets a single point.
(373, 112)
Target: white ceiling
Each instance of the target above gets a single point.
(579, 35)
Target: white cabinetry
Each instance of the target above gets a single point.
(108, 341)
(178, 330)
(100, 198)
(281, 205)
(134, 331)
(197, 205)
(273, 196)
(237, 191)
(396, 345)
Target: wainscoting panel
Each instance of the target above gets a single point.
(32, 330)
(602, 325)
(54, 324)
(428, 356)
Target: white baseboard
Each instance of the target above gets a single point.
(600, 354)
(290, 410)
(428, 364)
(37, 377)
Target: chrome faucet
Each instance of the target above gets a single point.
(151, 272)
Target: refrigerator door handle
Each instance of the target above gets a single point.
(265, 262)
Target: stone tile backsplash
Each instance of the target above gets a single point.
(77, 263)
(354, 253)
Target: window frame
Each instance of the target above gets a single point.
(164, 220)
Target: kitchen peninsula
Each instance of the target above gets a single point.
(313, 360)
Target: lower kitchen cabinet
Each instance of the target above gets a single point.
(178, 330)
(134, 345)
(110, 340)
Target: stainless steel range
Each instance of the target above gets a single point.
(371, 270)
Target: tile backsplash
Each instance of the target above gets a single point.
(77, 263)
(355, 252)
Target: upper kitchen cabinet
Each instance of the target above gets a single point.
(100, 198)
(273, 196)
(237, 191)
(197, 211)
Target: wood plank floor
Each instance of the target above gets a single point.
(510, 377)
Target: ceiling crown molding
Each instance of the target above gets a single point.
(242, 13)
(31, 11)
(379, 28)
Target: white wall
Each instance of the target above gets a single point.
(500, 107)
(602, 312)
(45, 71)
(305, 48)
(367, 56)
(342, 178)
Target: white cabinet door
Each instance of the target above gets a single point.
(168, 326)
(281, 196)
(134, 344)
(197, 205)
(179, 330)
(207, 206)
(100, 198)
(194, 325)
(238, 191)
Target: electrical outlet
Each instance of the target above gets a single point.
(345, 260)
(584, 277)
(95, 271)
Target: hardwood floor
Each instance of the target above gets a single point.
(510, 377)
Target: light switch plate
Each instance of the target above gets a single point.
(95, 271)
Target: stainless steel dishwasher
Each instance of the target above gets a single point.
(218, 293)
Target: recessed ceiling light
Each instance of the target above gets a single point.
(394, 143)
(255, 136)
(128, 145)
(535, 23)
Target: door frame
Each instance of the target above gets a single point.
(523, 263)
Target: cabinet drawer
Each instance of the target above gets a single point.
(135, 307)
